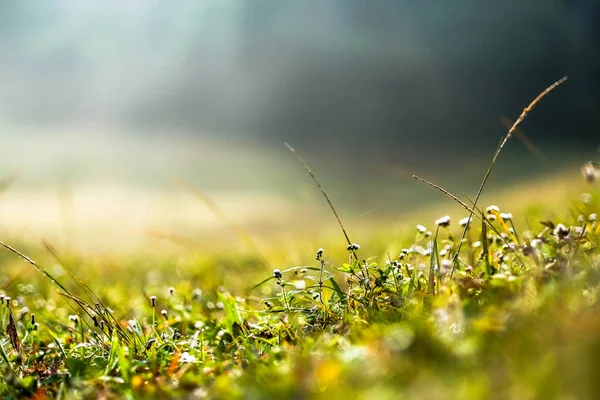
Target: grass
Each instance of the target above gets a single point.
(496, 305)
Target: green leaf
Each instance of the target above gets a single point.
(5, 357)
(431, 282)
(113, 355)
(338, 291)
(232, 315)
(262, 283)
(57, 342)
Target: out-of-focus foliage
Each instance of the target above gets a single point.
(516, 316)
(340, 72)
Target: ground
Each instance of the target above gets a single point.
(165, 294)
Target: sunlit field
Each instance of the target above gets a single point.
(209, 199)
(161, 276)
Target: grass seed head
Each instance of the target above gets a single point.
(153, 301)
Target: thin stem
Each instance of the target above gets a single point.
(321, 279)
(314, 178)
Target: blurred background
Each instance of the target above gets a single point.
(104, 104)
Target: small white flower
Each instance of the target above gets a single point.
(463, 221)
(506, 216)
(586, 198)
(491, 209)
(446, 264)
(590, 173)
(561, 231)
(421, 228)
(319, 254)
(444, 222)
(300, 285)
(187, 358)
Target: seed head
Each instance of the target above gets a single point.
(153, 301)
(463, 222)
(32, 319)
(171, 291)
(163, 313)
(7, 299)
(36, 326)
(277, 274)
(421, 229)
